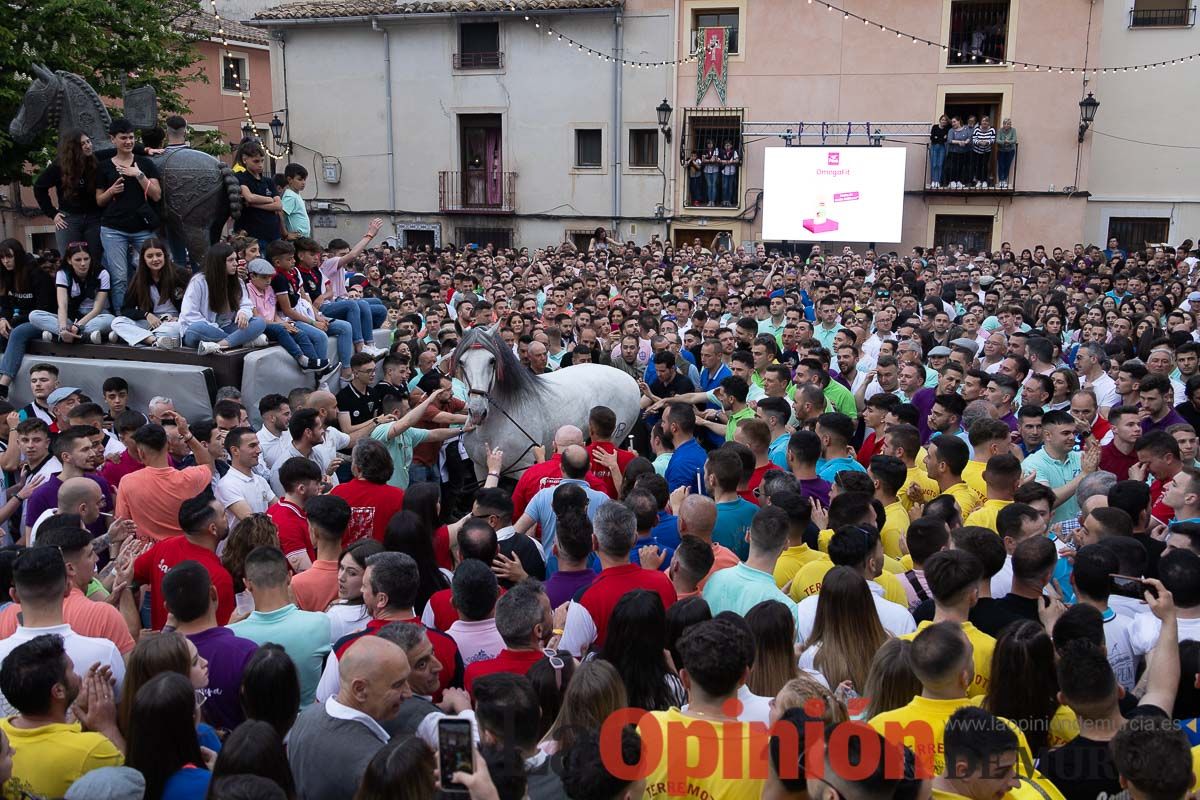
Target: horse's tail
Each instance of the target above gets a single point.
(233, 190)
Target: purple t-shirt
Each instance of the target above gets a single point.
(227, 655)
(562, 586)
(46, 496)
(1172, 418)
(924, 400)
(817, 488)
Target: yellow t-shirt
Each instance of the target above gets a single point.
(791, 560)
(972, 475)
(889, 564)
(808, 582)
(921, 725)
(722, 781)
(1196, 767)
(983, 646)
(929, 487)
(985, 515)
(968, 499)
(1064, 725)
(895, 526)
(50, 758)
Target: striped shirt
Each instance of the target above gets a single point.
(982, 140)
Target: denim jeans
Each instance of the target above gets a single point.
(198, 332)
(711, 180)
(121, 251)
(48, 321)
(378, 311)
(15, 351)
(729, 189)
(307, 341)
(419, 473)
(80, 228)
(355, 312)
(1004, 160)
(340, 330)
(695, 190)
(135, 331)
(937, 157)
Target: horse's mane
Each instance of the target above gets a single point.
(514, 382)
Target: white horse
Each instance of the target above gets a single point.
(513, 409)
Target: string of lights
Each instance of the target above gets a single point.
(241, 86)
(970, 59)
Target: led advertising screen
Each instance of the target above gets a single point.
(840, 194)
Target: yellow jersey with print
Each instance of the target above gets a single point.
(985, 515)
(808, 582)
(792, 559)
(48, 759)
(918, 477)
(718, 762)
(893, 565)
(983, 646)
(968, 499)
(972, 475)
(921, 725)
(894, 528)
(1064, 725)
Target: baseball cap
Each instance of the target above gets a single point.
(940, 350)
(61, 393)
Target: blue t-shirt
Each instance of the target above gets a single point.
(687, 462)
(189, 783)
(828, 470)
(634, 556)
(733, 521)
(667, 530)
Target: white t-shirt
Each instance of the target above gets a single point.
(1105, 389)
(894, 617)
(83, 650)
(272, 445)
(1143, 634)
(234, 487)
(1120, 650)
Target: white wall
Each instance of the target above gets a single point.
(336, 98)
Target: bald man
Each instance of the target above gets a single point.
(575, 464)
(332, 743)
(539, 358)
(697, 517)
(549, 472)
(80, 496)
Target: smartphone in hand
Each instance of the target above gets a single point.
(455, 752)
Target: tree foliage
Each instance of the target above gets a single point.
(113, 44)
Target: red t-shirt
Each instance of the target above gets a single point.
(517, 662)
(1114, 461)
(152, 565)
(113, 471)
(426, 453)
(372, 506)
(441, 548)
(601, 471)
(601, 596)
(292, 523)
(444, 649)
(873, 446)
(1158, 509)
(542, 476)
(755, 479)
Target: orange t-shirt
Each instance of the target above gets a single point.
(316, 587)
(151, 497)
(723, 558)
(86, 617)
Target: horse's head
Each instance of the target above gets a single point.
(479, 363)
(35, 113)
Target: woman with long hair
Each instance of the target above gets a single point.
(595, 691)
(256, 530)
(1066, 384)
(425, 500)
(153, 299)
(846, 630)
(271, 688)
(408, 533)
(634, 645)
(1028, 696)
(217, 313)
(254, 748)
(82, 290)
(72, 176)
(401, 768)
(162, 740)
(24, 288)
(154, 655)
(348, 614)
(799, 691)
(774, 630)
(681, 616)
(126, 186)
(551, 678)
(891, 682)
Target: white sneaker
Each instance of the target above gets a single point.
(47, 336)
(937, 185)
(260, 341)
(373, 351)
(96, 337)
(113, 338)
(208, 348)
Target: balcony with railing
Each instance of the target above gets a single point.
(479, 60)
(477, 192)
(994, 173)
(978, 33)
(1162, 17)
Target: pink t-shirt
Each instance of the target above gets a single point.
(264, 303)
(335, 278)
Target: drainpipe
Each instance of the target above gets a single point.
(391, 151)
(618, 39)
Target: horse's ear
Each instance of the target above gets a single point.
(42, 72)
(491, 330)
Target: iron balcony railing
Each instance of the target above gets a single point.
(978, 33)
(959, 175)
(1162, 17)
(477, 191)
(478, 60)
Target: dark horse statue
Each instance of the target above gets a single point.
(199, 191)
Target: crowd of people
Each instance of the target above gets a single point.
(890, 526)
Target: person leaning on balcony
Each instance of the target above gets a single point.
(958, 155)
(937, 150)
(982, 141)
(1006, 146)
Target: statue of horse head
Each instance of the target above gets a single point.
(40, 106)
(492, 372)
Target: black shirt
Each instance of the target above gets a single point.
(127, 211)
(281, 285)
(258, 222)
(937, 134)
(988, 614)
(1023, 607)
(82, 202)
(680, 385)
(1154, 550)
(383, 390)
(360, 407)
(1083, 769)
(526, 551)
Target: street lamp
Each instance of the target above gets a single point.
(276, 126)
(1087, 113)
(664, 118)
(247, 131)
